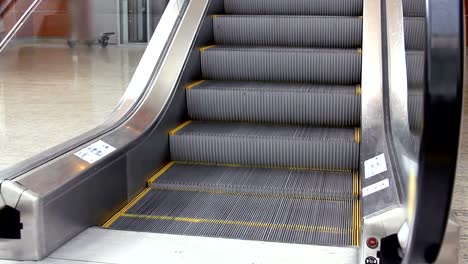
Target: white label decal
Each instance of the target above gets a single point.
(95, 151)
(375, 187)
(375, 166)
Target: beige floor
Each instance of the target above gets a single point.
(50, 93)
(460, 197)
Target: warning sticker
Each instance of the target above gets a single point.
(378, 186)
(95, 151)
(375, 166)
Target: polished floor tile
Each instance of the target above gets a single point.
(50, 93)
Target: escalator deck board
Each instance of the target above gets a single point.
(276, 219)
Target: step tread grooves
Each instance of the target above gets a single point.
(293, 31)
(279, 103)
(266, 145)
(294, 7)
(273, 64)
(257, 181)
(218, 215)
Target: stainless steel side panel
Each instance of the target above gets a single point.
(373, 123)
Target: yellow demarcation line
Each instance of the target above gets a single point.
(354, 233)
(360, 17)
(263, 167)
(215, 16)
(125, 209)
(354, 184)
(359, 210)
(356, 217)
(193, 84)
(160, 172)
(359, 51)
(326, 229)
(247, 194)
(357, 135)
(358, 89)
(202, 49)
(175, 130)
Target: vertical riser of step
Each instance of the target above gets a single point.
(415, 108)
(282, 65)
(294, 7)
(252, 151)
(415, 33)
(289, 31)
(318, 107)
(414, 8)
(415, 68)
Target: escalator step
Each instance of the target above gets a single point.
(241, 217)
(414, 8)
(266, 182)
(284, 103)
(415, 33)
(266, 145)
(415, 67)
(326, 66)
(293, 31)
(415, 108)
(294, 7)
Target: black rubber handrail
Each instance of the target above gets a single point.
(443, 99)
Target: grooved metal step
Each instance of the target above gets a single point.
(415, 33)
(281, 103)
(294, 7)
(292, 31)
(242, 217)
(415, 108)
(266, 145)
(415, 67)
(273, 64)
(248, 181)
(414, 8)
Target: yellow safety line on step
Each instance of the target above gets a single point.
(125, 209)
(359, 51)
(160, 172)
(264, 167)
(357, 135)
(326, 229)
(247, 194)
(193, 84)
(175, 130)
(354, 184)
(206, 47)
(215, 16)
(359, 219)
(360, 17)
(358, 89)
(356, 173)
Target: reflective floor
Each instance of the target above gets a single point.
(50, 93)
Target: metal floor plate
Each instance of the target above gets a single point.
(97, 245)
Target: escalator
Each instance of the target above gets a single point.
(255, 121)
(271, 148)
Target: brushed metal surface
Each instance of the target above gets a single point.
(97, 245)
(373, 125)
